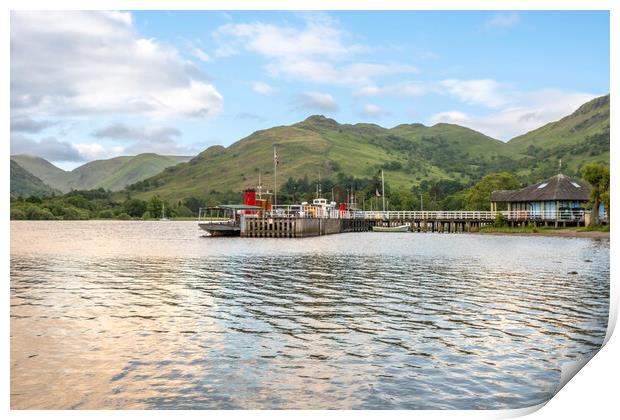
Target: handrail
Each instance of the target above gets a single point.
(457, 215)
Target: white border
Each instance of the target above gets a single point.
(592, 393)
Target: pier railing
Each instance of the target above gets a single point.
(574, 215)
(564, 215)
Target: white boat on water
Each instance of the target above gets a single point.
(401, 228)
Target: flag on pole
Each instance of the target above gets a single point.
(275, 156)
(377, 193)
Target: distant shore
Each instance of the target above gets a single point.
(562, 233)
(506, 231)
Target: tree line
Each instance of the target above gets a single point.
(93, 204)
(428, 195)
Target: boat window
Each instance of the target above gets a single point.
(543, 185)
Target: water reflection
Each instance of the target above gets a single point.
(421, 321)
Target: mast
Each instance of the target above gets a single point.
(382, 190)
(259, 187)
(275, 176)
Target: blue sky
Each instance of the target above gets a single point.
(91, 85)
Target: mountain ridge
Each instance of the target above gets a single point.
(113, 174)
(408, 153)
(24, 184)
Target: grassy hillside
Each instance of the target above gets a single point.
(580, 137)
(24, 184)
(444, 158)
(113, 174)
(91, 174)
(45, 171)
(409, 154)
(138, 168)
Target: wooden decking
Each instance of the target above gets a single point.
(279, 224)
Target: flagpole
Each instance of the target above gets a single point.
(382, 190)
(275, 176)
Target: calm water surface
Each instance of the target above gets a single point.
(153, 315)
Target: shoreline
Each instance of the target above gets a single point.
(560, 233)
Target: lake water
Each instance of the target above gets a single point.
(153, 315)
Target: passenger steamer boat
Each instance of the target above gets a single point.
(227, 220)
(224, 220)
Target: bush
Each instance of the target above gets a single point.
(79, 201)
(34, 199)
(123, 216)
(105, 214)
(18, 214)
(500, 220)
(38, 213)
(72, 213)
(134, 207)
(182, 211)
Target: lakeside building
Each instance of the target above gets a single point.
(558, 199)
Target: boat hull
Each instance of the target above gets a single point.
(220, 229)
(403, 228)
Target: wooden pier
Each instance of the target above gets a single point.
(288, 226)
(280, 224)
(299, 227)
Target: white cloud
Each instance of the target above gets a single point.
(28, 125)
(92, 151)
(485, 92)
(261, 88)
(372, 111)
(317, 100)
(94, 63)
(534, 110)
(324, 72)
(48, 148)
(503, 20)
(320, 37)
(316, 53)
(162, 140)
(398, 89)
(200, 54)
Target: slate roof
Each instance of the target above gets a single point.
(558, 187)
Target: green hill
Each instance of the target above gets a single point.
(580, 137)
(24, 184)
(410, 154)
(113, 174)
(45, 171)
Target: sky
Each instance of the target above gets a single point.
(93, 85)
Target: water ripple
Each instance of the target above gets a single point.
(422, 321)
